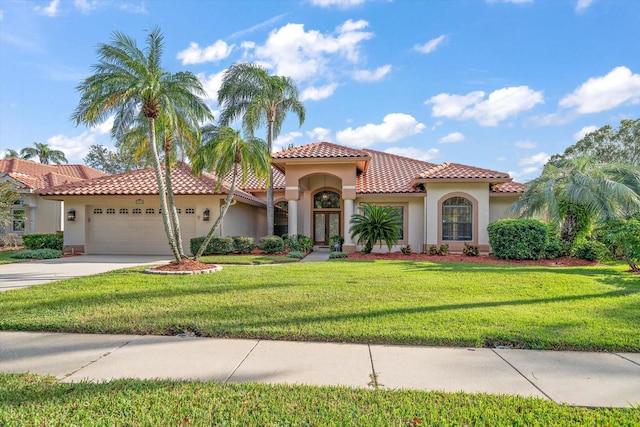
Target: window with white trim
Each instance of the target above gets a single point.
(111, 211)
(124, 211)
(18, 220)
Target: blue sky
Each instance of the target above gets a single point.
(499, 84)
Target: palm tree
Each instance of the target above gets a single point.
(376, 224)
(9, 153)
(44, 153)
(249, 93)
(577, 190)
(130, 82)
(225, 152)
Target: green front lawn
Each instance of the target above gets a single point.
(247, 259)
(5, 257)
(425, 303)
(34, 400)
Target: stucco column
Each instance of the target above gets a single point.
(32, 219)
(348, 246)
(293, 217)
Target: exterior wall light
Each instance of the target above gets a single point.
(206, 215)
(139, 202)
(71, 215)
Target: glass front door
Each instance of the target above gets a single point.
(326, 224)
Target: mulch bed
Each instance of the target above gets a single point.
(187, 265)
(481, 259)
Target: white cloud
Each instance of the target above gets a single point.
(536, 160)
(76, 148)
(526, 144)
(342, 4)
(371, 76)
(85, 6)
(501, 159)
(211, 84)
(583, 132)
(133, 8)
(604, 93)
(394, 127)
(452, 137)
(283, 141)
(319, 134)
(431, 45)
(194, 54)
(52, 10)
(581, 5)
(268, 23)
(500, 105)
(317, 93)
(305, 55)
(414, 153)
(524, 172)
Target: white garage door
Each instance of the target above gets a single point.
(125, 230)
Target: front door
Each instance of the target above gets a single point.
(326, 224)
(326, 216)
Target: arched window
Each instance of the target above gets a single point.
(457, 219)
(326, 200)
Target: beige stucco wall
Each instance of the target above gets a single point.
(498, 205)
(438, 191)
(414, 223)
(238, 220)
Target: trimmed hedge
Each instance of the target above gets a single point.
(271, 244)
(298, 242)
(217, 245)
(590, 250)
(295, 254)
(45, 253)
(518, 238)
(43, 241)
(337, 255)
(243, 244)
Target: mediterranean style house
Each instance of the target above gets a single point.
(31, 213)
(318, 187)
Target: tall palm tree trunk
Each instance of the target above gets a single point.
(173, 212)
(223, 211)
(270, 204)
(162, 191)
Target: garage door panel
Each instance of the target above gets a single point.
(141, 234)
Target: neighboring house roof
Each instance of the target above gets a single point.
(143, 182)
(33, 176)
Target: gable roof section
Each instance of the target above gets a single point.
(33, 176)
(143, 182)
(321, 151)
(508, 188)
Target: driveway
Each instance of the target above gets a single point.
(22, 275)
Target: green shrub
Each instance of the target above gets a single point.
(441, 250)
(295, 254)
(622, 238)
(406, 250)
(43, 241)
(217, 246)
(376, 224)
(337, 255)
(470, 250)
(517, 238)
(271, 244)
(591, 250)
(243, 244)
(554, 246)
(38, 254)
(335, 243)
(299, 242)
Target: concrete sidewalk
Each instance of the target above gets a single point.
(576, 378)
(25, 274)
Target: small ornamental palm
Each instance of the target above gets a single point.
(376, 224)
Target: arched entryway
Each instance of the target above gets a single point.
(327, 216)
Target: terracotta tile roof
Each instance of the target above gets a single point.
(390, 173)
(320, 150)
(35, 176)
(458, 171)
(508, 187)
(254, 184)
(143, 182)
